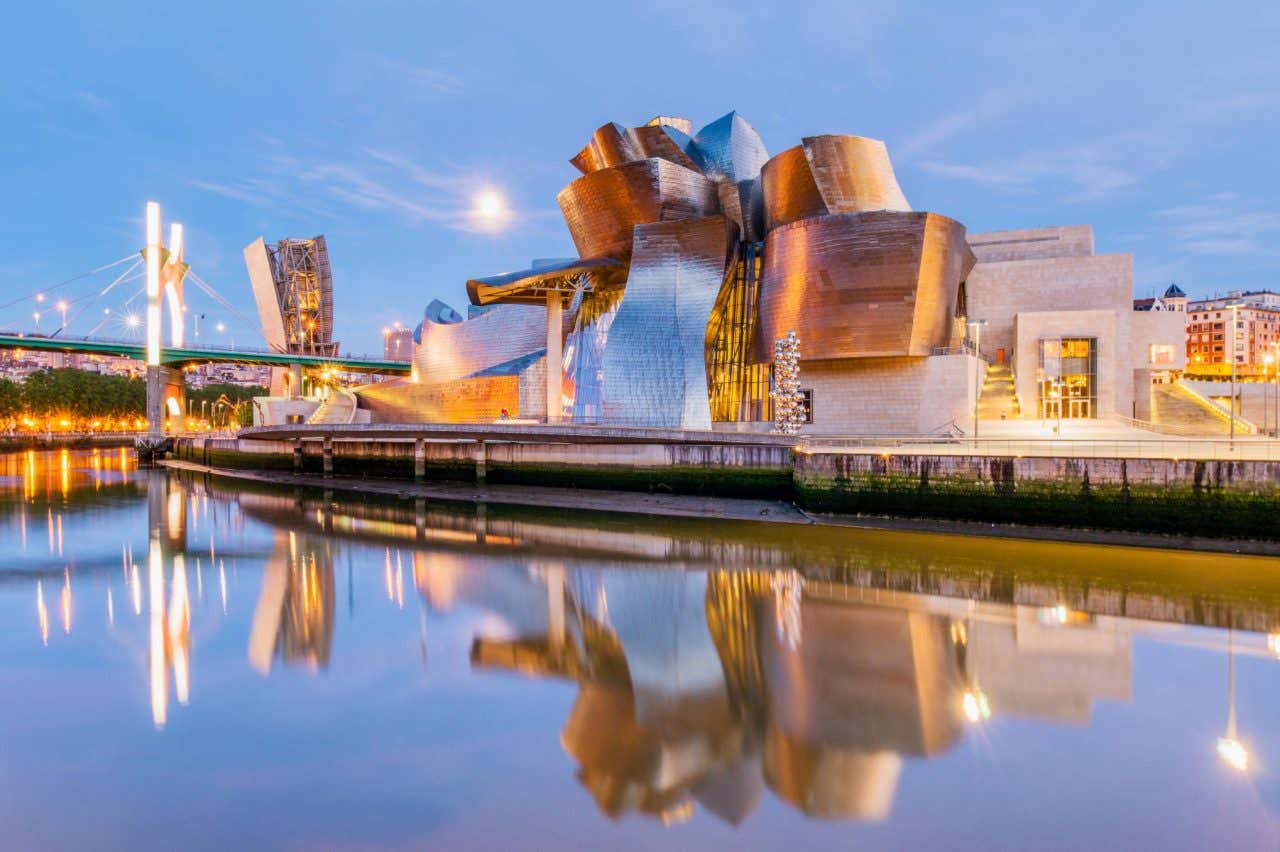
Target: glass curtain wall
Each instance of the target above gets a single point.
(738, 389)
(593, 312)
(1068, 378)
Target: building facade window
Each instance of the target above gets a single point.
(1068, 377)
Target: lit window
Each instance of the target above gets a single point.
(1161, 353)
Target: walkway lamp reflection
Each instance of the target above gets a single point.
(1232, 752)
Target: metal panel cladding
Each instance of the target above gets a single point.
(610, 146)
(830, 174)
(855, 285)
(731, 152)
(454, 350)
(603, 207)
(655, 363)
(790, 192)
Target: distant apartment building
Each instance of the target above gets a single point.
(1213, 345)
(1173, 299)
(397, 344)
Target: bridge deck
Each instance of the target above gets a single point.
(182, 356)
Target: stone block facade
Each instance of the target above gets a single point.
(890, 395)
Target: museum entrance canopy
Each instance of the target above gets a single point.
(531, 286)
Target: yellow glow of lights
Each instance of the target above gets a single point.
(1273, 644)
(975, 705)
(153, 283)
(1233, 753)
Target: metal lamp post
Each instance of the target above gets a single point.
(977, 369)
(1267, 361)
(1235, 331)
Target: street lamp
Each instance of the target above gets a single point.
(62, 309)
(1235, 332)
(36, 317)
(1267, 361)
(977, 369)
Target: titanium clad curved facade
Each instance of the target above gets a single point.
(456, 350)
(830, 174)
(731, 152)
(603, 207)
(856, 285)
(667, 143)
(790, 193)
(610, 146)
(654, 365)
(853, 174)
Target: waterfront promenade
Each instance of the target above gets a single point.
(1083, 479)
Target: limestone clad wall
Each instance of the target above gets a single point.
(999, 291)
(1115, 375)
(870, 396)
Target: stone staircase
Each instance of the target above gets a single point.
(340, 407)
(998, 399)
(1180, 411)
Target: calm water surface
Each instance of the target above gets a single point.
(185, 666)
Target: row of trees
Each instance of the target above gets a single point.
(82, 397)
(72, 393)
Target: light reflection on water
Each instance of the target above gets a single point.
(190, 665)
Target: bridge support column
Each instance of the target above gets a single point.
(164, 384)
(327, 454)
(297, 455)
(481, 462)
(295, 381)
(555, 356)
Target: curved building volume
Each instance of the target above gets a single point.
(695, 252)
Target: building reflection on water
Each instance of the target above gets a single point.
(709, 687)
(293, 621)
(707, 671)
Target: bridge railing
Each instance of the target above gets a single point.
(246, 350)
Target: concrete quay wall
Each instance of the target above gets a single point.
(746, 470)
(1215, 499)
(1218, 499)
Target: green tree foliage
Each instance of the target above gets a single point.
(10, 400)
(79, 393)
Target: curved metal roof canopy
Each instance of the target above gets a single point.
(530, 286)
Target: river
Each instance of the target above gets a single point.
(189, 664)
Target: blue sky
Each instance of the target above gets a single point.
(377, 123)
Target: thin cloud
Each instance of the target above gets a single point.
(96, 103)
(1080, 174)
(1224, 225)
(424, 80)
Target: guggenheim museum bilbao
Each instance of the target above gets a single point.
(697, 251)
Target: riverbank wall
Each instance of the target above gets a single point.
(1210, 498)
(58, 441)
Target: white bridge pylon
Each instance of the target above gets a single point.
(166, 270)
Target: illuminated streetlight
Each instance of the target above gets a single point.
(133, 321)
(976, 706)
(62, 309)
(221, 328)
(39, 297)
